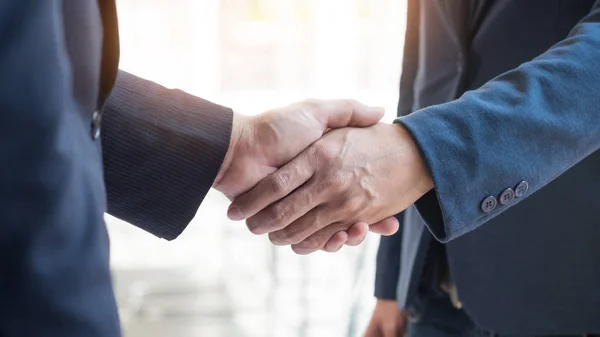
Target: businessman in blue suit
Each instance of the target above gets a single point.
(531, 269)
(502, 101)
(148, 155)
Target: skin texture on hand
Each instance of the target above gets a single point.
(262, 144)
(387, 320)
(349, 175)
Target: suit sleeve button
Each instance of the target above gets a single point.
(489, 204)
(96, 121)
(507, 196)
(521, 189)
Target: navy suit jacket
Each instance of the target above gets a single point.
(161, 151)
(496, 93)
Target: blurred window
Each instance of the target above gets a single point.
(217, 279)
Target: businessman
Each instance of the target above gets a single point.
(162, 151)
(505, 126)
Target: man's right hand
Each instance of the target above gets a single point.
(387, 320)
(262, 144)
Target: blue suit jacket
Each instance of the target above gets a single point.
(162, 149)
(505, 92)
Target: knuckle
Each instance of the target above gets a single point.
(280, 213)
(352, 205)
(325, 151)
(273, 218)
(280, 181)
(320, 150)
(309, 198)
(294, 237)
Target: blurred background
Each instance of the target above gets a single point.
(217, 279)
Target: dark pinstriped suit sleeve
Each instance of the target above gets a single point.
(162, 150)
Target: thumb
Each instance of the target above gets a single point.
(385, 227)
(341, 113)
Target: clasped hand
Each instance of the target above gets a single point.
(321, 174)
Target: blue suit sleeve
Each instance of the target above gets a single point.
(532, 123)
(53, 242)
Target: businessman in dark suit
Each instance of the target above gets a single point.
(501, 100)
(162, 151)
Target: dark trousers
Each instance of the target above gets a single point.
(433, 315)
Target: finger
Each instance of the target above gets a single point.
(336, 242)
(308, 237)
(385, 227)
(305, 226)
(357, 233)
(353, 237)
(272, 188)
(288, 211)
(345, 112)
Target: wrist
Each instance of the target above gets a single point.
(422, 181)
(239, 124)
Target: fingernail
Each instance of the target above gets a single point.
(234, 213)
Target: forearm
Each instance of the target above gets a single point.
(529, 124)
(162, 150)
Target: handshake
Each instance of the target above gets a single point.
(320, 174)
